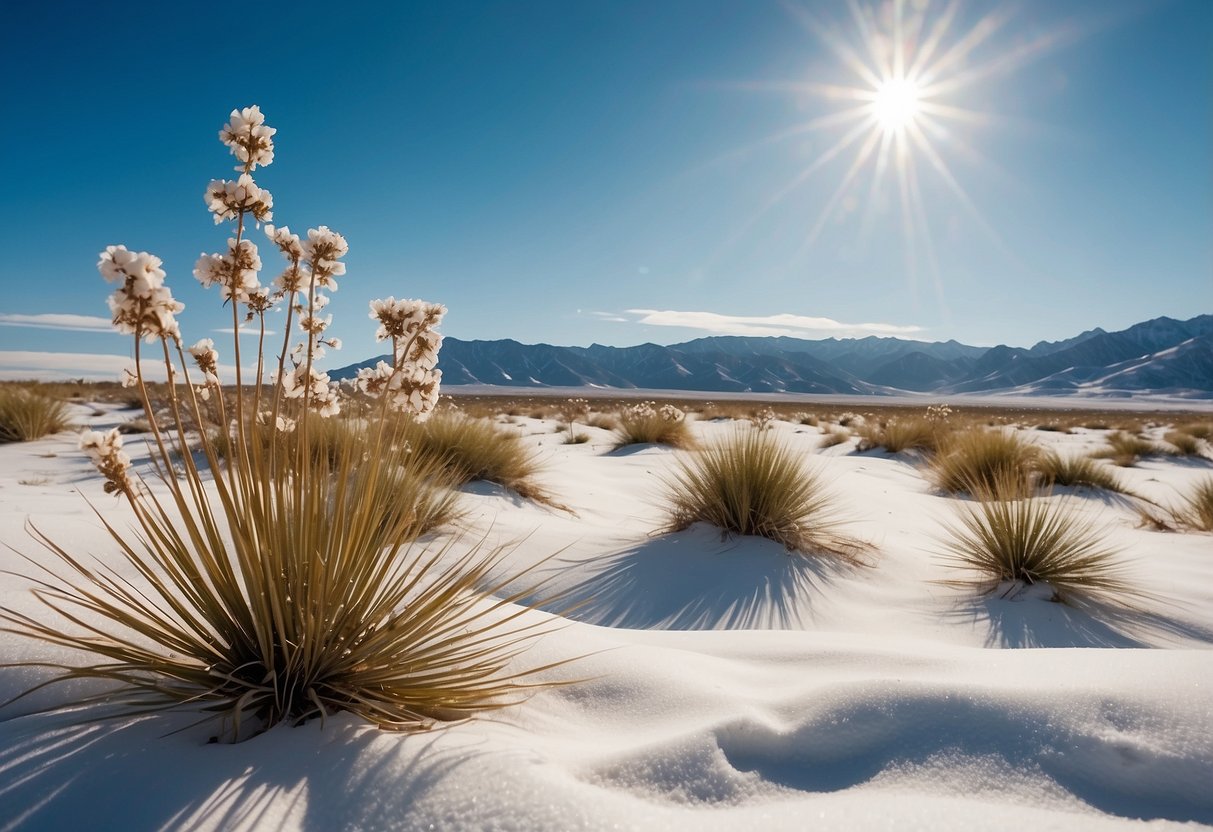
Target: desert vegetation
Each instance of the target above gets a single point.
(282, 582)
(26, 414)
(1012, 542)
(647, 423)
(752, 483)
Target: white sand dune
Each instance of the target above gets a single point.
(724, 683)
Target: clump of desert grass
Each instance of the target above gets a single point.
(602, 421)
(285, 584)
(1196, 510)
(1184, 443)
(980, 461)
(1125, 449)
(900, 434)
(752, 483)
(832, 436)
(645, 423)
(473, 449)
(26, 415)
(1053, 469)
(1012, 542)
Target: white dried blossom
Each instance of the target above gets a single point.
(129, 379)
(234, 272)
(139, 272)
(151, 315)
(286, 242)
(320, 392)
(249, 138)
(227, 200)
(413, 390)
(207, 359)
(669, 413)
(323, 248)
(105, 450)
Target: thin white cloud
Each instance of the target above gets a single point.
(794, 326)
(52, 320)
(50, 366)
(244, 331)
(613, 317)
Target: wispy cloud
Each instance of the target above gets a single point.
(795, 326)
(244, 331)
(52, 320)
(22, 364)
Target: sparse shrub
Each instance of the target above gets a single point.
(25, 416)
(1197, 509)
(1053, 469)
(1053, 428)
(643, 423)
(476, 449)
(284, 586)
(604, 421)
(1125, 449)
(904, 434)
(1184, 443)
(761, 418)
(1200, 430)
(1021, 542)
(809, 419)
(751, 483)
(573, 410)
(835, 436)
(977, 461)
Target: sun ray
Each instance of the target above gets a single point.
(861, 158)
(824, 122)
(821, 161)
(834, 43)
(938, 30)
(909, 59)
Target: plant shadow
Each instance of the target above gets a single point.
(694, 580)
(127, 774)
(1038, 622)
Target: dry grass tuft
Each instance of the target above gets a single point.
(910, 433)
(1185, 444)
(979, 462)
(1014, 542)
(834, 436)
(645, 424)
(1053, 468)
(751, 483)
(25, 415)
(1196, 512)
(476, 449)
(1125, 449)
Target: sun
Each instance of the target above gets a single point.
(895, 105)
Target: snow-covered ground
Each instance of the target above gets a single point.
(724, 683)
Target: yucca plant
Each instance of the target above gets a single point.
(751, 483)
(1053, 468)
(979, 461)
(25, 415)
(1196, 511)
(285, 584)
(1012, 542)
(645, 423)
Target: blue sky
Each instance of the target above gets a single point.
(562, 172)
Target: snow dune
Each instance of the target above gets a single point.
(723, 684)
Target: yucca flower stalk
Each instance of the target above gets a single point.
(284, 584)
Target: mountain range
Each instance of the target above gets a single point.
(1162, 356)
